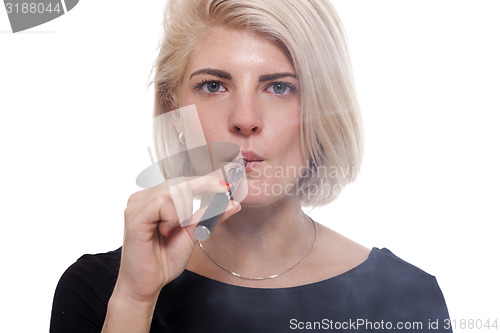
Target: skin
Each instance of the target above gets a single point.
(236, 105)
(257, 112)
(239, 103)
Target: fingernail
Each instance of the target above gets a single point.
(224, 183)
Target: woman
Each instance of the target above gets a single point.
(272, 77)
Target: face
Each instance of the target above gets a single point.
(246, 92)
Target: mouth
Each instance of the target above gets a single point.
(252, 159)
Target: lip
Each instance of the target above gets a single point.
(253, 159)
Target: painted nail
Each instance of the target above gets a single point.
(224, 183)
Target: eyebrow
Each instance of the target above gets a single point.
(215, 72)
(226, 75)
(269, 77)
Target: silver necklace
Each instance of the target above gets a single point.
(270, 276)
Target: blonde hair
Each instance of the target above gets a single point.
(311, 35)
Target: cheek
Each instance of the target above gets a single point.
(294, 146)
(287, 131)
(212, 127)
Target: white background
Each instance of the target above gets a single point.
(75, 118)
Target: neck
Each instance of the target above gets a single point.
(280, 232)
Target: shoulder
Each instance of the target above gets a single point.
(93, 271)
(98, 268)
(381, 284)
(385, 273)
(83, 292)
(342, 255)
(108, 262)
(384, 266)
(396, 289)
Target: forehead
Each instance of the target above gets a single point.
(238, 50)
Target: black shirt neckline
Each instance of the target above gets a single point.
(216, 283)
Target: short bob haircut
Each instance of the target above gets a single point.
(311, 35)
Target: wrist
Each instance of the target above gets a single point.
(123, 296)
(128, 314)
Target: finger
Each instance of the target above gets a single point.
(205, 184)
(182, 198)
(231, 209)
(183, 194)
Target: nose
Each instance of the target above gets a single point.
(246, 116)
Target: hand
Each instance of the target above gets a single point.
(156, 249)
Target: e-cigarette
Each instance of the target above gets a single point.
(219, 202)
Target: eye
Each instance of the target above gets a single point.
(210, 86)
(213, 86)
(280, 88)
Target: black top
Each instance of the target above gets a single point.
(382, 294)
